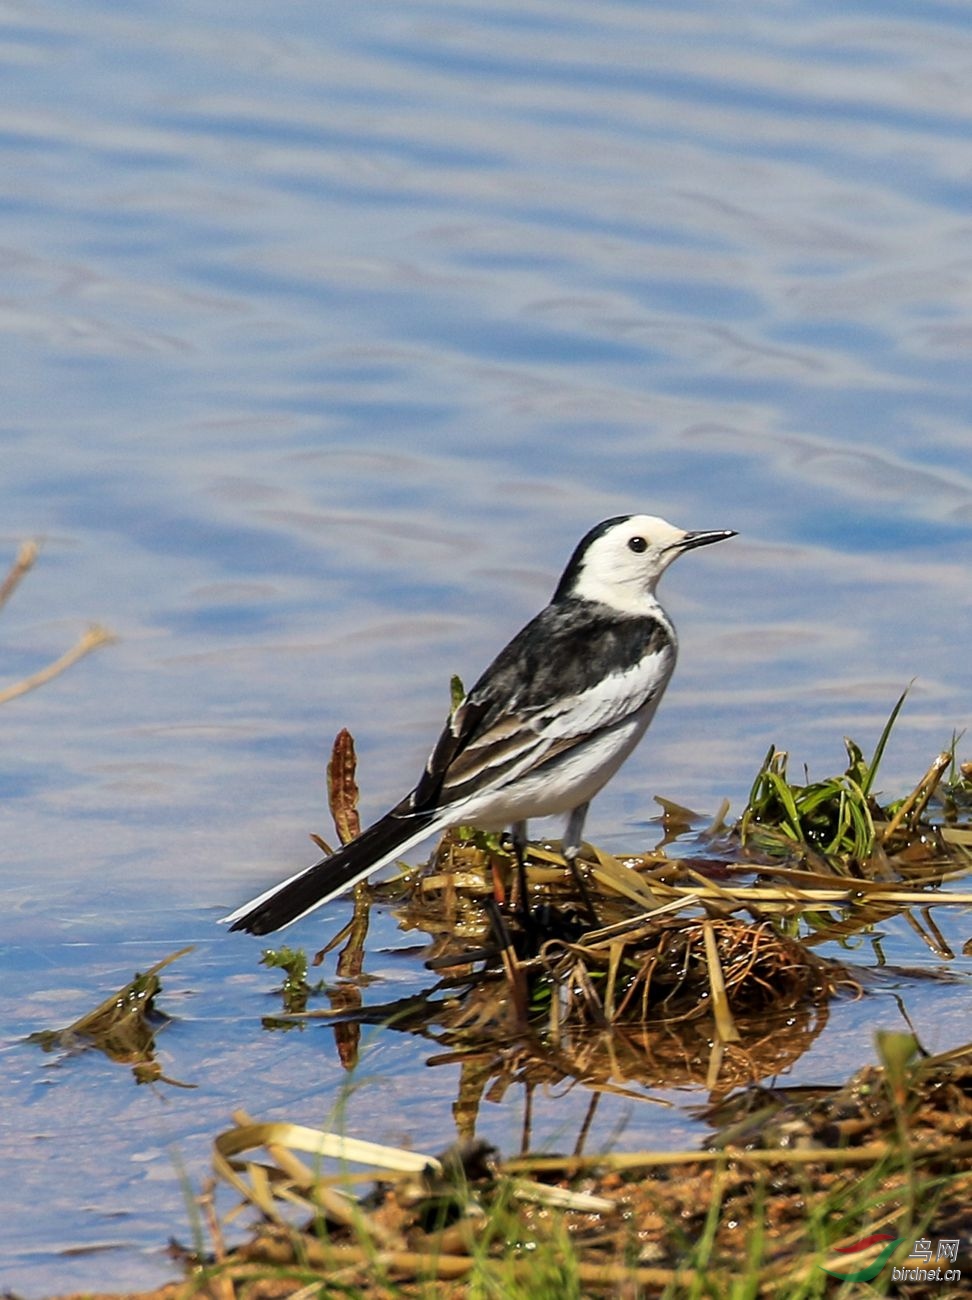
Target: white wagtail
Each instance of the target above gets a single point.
(546, 726)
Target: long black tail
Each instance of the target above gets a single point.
(318, 884)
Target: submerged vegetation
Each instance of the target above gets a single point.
(123, 1027)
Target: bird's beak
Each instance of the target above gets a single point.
(690, 540)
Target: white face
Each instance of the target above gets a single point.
(621, 567)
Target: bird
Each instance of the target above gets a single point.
(544, 728)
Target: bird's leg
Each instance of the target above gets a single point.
(519, 831)
(572, 846)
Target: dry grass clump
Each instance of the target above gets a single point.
(665, 972)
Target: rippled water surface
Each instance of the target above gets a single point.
(327, 331)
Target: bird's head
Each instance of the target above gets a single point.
(619, 562)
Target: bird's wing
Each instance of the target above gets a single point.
(542, 696)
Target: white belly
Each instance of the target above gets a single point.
(572, 778)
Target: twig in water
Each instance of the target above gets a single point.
(92, 639)
(26, 556)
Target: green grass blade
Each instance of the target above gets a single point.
(879, 751)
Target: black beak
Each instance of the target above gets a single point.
(691, 540)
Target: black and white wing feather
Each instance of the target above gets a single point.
(571, 675)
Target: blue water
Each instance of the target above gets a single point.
(327, 331)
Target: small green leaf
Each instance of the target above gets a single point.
(457, 692)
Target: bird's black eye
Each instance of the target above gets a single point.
(637, 544)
